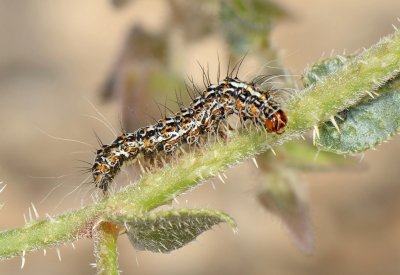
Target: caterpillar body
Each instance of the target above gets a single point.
(203, 116)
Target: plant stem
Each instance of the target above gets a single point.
(314, 105)
(105, 237)
(48, 232)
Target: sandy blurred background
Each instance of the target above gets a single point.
(54, 57)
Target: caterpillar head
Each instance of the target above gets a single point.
(276, 122)
(101, 175)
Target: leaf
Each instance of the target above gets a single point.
(166, 231)
(284, 196)
(365, 125)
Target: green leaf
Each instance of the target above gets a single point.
(283, 195)
(365, 125)
(166, 231)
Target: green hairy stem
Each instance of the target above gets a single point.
(105, 236)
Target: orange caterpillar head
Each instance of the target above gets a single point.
(276, 123)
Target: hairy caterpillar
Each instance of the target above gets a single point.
(203, 116)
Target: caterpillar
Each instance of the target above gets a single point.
(203, 116)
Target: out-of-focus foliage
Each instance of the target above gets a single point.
(141, 76)
(120, 3)
(283, 193)
(284, 196)
(246, 24)
(141, 47)
(196, 19)
(303, 155)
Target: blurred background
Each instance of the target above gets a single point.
(70, 68)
